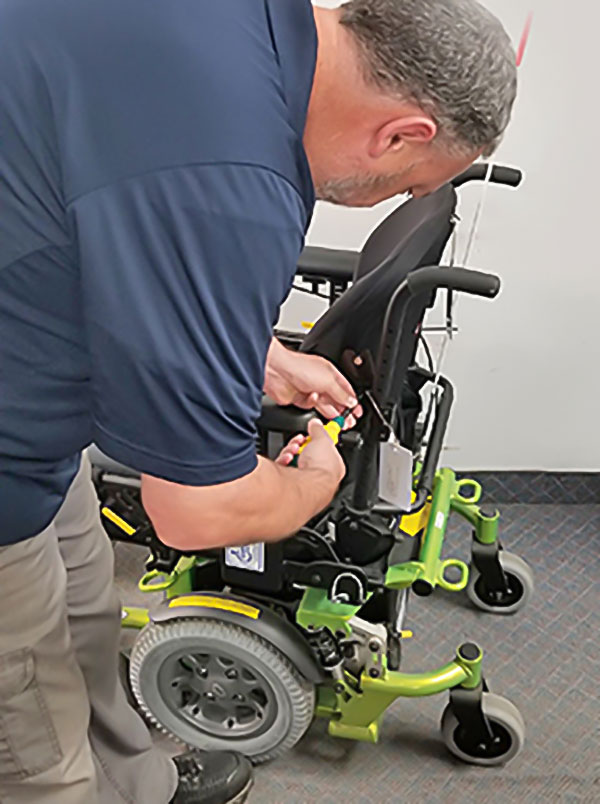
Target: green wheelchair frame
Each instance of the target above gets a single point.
(355, 707)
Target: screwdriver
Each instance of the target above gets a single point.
(333, 428)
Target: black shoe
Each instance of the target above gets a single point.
(212, 777)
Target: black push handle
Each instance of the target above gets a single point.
(511, 177)
(462, 280)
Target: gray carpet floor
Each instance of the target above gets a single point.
(546, 659)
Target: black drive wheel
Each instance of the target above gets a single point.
(520, 587)
(507, 726)
(217, 686)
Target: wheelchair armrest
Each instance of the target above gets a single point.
(327, 263)
(278, 419)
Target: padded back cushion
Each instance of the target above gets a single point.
(412, 236)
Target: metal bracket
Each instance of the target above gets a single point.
(374, 637)
(374, 666)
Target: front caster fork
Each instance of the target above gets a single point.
(486, 560)
(485, 550)
(474, 732)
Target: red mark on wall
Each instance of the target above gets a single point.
(524, 39)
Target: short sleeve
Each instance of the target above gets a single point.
(183, 272)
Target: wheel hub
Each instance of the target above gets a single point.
(512, 594)
(496, 747)
(220, 694)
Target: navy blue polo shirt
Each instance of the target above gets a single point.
(154, 195)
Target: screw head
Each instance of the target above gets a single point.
(374, 672)
(374, 646)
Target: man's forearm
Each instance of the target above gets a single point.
(277, 373)
(267, 505)
(276, 356)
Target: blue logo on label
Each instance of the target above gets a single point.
(248, 557)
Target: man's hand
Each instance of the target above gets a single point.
(288, 453)
(308, 381)
(320, 453)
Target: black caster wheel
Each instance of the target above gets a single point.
(520, 587)
(507, 726)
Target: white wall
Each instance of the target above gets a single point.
(526, 366)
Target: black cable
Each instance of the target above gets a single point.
(425, 346)
(449, 306)
(432, 401)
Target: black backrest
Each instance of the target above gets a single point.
(412, 236)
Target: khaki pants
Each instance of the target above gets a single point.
(67, 733)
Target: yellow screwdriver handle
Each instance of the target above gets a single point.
(333, 430)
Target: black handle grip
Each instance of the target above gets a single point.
(463, 280)
(511, 177)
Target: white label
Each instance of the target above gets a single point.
(395, 474)
(250, 557)
(439, 520)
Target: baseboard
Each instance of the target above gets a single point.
(571, 488)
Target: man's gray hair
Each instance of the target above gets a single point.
(452, 57)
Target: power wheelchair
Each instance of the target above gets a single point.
(250, 643)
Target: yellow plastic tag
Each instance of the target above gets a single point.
(413, 524)
(216, 603)
(116, 519)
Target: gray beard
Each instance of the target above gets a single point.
(349, 191)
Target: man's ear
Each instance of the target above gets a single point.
(393, 136)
